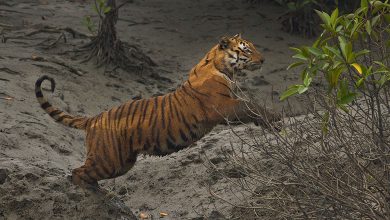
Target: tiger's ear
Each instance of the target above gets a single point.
(237, 35)
(224, 43)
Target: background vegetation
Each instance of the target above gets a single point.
(300, 18)
(335, 161)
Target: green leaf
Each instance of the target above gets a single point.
(335, 75)
(359, 82)
(362, 52)
(333, 17)
(297, 50)
(289, 92)
(335, 51)
(346, 99)
(363, 4)
(368, 27)
(294, 65)
(383, 80)
(300, 56)
(107, 9)
(302, 89)
(346, 49)
(307, 80)
(324, 17)
(387, 17)
(315, 51)
(356, 26)
(374, 20)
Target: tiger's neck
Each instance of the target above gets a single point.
(213, 63)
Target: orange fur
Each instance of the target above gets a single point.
(164, 124)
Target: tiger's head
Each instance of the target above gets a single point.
(235, 54)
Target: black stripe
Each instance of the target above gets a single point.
(177, 114)
(121, 153)
(45, 105)
(147, 145)
(63, 117)
(102, 163)
(55, 112)
(185, 122)
(196, 74)
(100, 173)
(183, 98)
(183, 136)
(206, 60)
(140, 116)
(223, 84)
(171, 136)
(139, 132)
(170, 109)
(158, 144)
(153, 109)
(118, 114)
(222, 94)
(39, 94)
(170, 145)
(186, 92)
(131, 139)
(103, 138)
(196, 91)
(135, 109)
(195, 119)
(74, 121)
(145, 110)
(114, 144)
(200, 102)
(177, 99)
(237, 52)
(154, 125)
(109, 119)
(193, 135)
(128, 113)
(162, 111)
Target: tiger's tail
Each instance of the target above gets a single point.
(58, 115)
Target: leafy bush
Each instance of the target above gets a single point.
(352, 54)
(333, 163)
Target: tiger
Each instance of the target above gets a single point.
(163, 124)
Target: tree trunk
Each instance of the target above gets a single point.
(108, 49)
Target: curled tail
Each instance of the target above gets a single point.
(58, 115)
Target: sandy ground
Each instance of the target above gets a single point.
(37, 155)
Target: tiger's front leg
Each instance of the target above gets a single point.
(246, 112)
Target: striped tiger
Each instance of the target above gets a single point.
(164, 124)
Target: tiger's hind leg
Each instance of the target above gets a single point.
(87, 176)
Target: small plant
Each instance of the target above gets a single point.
(101, 8)
(89, 24)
